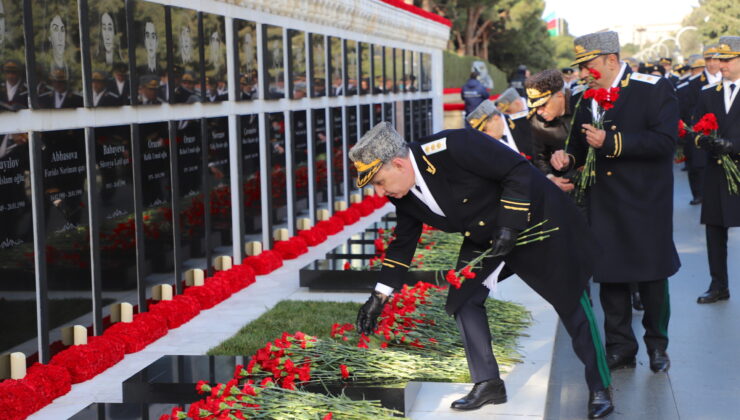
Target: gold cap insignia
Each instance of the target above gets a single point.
(366, 171)
(579, 49)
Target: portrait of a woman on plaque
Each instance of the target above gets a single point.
(187, 69)
(273, 62)
(317, 65)
(336, 67)
(214, 34)
(57, 54)
(108, 53)
(150, 44)
(245, 35)
(13, 86)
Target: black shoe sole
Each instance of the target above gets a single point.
(705, 301)
(602, 415)
(493, 401)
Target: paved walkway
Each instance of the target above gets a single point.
(703, 382)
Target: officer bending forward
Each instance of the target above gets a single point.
(464, 181)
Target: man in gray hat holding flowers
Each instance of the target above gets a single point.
(626, 145)
(465, 181)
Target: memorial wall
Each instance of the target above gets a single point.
(140, 140)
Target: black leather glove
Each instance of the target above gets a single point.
(504, 240)
(367, 318)
(721, 146)
(705, 142)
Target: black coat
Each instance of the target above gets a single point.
(521, 130)
(631, 204)
(697, 158)
(719, 207)
(480, 184)
(71, 100)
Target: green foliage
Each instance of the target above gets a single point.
(563, 51)
(457, 72)
(524, 39)
(311, 317)
(724, 18)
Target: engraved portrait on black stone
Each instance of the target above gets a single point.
(219, 184)
(190, 178)
(378, 78)
(187, 69)
(150, 52)
(217, 87)
(108, 52)
(57, 54)
(249, 135)
(317, 68)
(245, 35)
(352, 74)
(297, 68)
(365, 65)
(273, 62)
(336, 66)
(13, 86)
(319, 148)
(275, 122)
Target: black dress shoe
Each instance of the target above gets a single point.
(696, 201)
(618, 361)
(637, 302)
(599, 404)
(486, 392)
(659, 361)
(711, 296)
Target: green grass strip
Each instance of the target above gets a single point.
(606, 377)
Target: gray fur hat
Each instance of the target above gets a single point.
(588, 47)
(481, 113)
(729, 47)
(377, 147)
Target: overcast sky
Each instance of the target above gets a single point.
(589, 16)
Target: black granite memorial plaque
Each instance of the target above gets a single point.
(116, 212)
(247, 67)
(214, 42)
(298, 86)
(351, 133)
(408, 132)
(351, 68)
(365, 119)
(378, 79)
(319, 147)
(186, 65)
(13, 86)
(398, 75)
(335, 66)
(219, 185)
(108, 53)
(377, 114)
(365, 64)
(252, 189)
(150, 76)
(190, 180)
(426, 72)
(56, 50)
(300, 163)
(273, 61)
(18, 320)
(275, 123)
(317, 65)
(66, 219)
(338, 158)
(388, 112)
(156, 195)
(408, 71)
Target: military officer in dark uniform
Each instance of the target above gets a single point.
(630, 205)
(720, 210)
(13, 91)
(509, 102)
(512, 130)
(464, 181)
(60, 96)
(100, 94)
(667, 64)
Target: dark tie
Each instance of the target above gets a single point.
(732, 89)
(504, 139)
(418, 188)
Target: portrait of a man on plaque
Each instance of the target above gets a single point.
(108, 53)
(13, 86)
(57, 54)
(273, 62)
(150, 52)
(245, 35)
(186, 52)
(317, 67)
(217, 88)
(336, 67)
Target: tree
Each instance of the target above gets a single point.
(563, 55)
(715, 18)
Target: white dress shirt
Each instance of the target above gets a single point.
(730, 96)
(59, 99)
(11, 90)
(615, 83)
(713, 78)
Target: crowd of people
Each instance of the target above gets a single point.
(589, 149)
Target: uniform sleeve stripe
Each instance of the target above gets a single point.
(516, 203)
(516, 208)
(389, 265)
(396, 262)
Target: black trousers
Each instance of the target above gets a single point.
(616, 300)
(696, 182)
(717, 256)
(472, 322)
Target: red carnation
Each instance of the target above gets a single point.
(681, 129)
(707, 124)
(345, 372)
